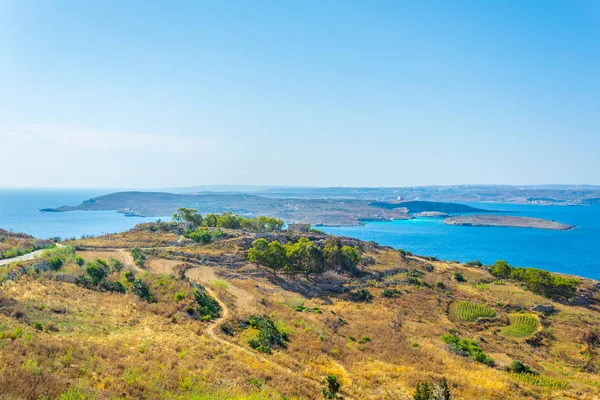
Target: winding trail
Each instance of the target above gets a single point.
(211, 332)
(24, 257)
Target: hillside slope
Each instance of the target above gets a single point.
(379, 332)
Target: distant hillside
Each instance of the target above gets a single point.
(427, 206)
(314, 211)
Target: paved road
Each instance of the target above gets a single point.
(28, 256)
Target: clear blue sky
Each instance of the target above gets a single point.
(315, 93)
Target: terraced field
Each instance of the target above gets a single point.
(466, 311)
(521, 325)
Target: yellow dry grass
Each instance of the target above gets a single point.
(108, 345)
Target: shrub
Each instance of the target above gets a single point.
(332, 387)
(364, 339)
(415, 273)
(459, 277)
(179, 296)
(97, 271)
(208, 308)
(268, 334)
(360, 295)
(467, 348)
(111, 286)
(141, 290)
(391, 293)
(79, 261)
(200, 236)
(115, 265)
(228, 329)
(55, 263)
(138, 256)
(519, 367)
(474, 263)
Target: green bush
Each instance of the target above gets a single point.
(459, 277)
(467, 348)
(268, 334)
(138, 256)
(538, 281)
(331, 387)
(391, 293)
(200, 236)
(360, 295)
(415, 273)
(111, 286)
(519, 367)
(55, 263)
(97, 271)
(208, 308)
(141, 290)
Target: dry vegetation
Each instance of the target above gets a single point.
(60, 340)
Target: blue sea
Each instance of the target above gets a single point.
(19, 212)
(574, 252)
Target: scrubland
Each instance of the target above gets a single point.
(63, 339)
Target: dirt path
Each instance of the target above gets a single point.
(24, 257)
(206, 276)
(212, 329)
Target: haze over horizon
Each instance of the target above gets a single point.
(107, 94)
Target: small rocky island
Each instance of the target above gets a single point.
(504, 220)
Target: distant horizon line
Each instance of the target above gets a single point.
(230, 187)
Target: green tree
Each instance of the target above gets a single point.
(140, 289)
(501, 269)
(350, 257)
(97, 271)
(276, 256)
(188, 215)
(258, 253)
(304, 257)
(332, 387)
(55, 263)
(332, 253)
(200, 236)
(210, 220)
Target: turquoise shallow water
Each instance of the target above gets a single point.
(574, 252)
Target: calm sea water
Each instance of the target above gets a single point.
(574, 252)
(19, 212)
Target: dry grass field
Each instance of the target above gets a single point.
(60, 340)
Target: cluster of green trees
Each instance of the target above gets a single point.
(96, 278)
(227, 220)
(538, 281)
(304, 256)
